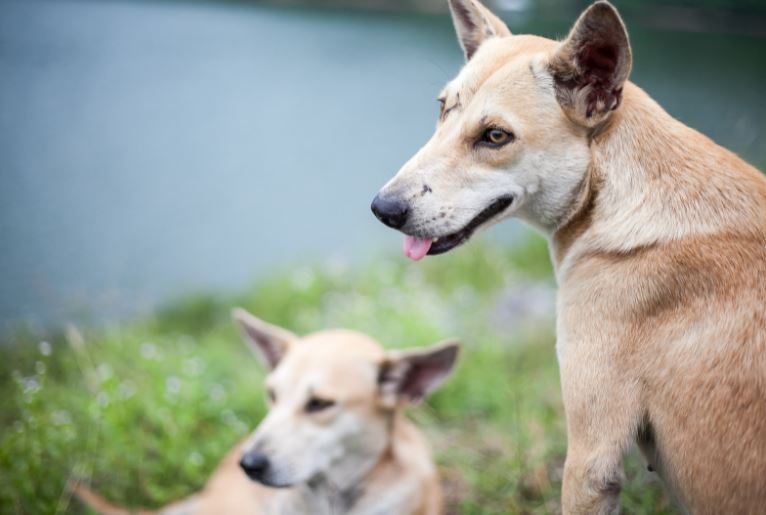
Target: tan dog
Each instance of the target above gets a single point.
(658, 237)
(335, 439)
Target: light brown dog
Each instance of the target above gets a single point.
(335, 439)
(658, 237)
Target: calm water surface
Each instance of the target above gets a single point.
(149, 149)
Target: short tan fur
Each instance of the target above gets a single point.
(335, 440)
(658, 237)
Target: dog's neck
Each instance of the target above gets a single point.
(654, 180)
(351, 489)
(318, 496)
(325, 495)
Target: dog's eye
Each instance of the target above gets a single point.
(495, 138)
(315, 404)
(271, 396)
(442, 107)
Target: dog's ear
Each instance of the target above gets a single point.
(269, 342)
(474, 24)
(411, 375)
(592, 64)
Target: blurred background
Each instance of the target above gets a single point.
(151, 148)
(163, 161)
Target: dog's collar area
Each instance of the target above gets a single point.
(449, 242)
(347, 495)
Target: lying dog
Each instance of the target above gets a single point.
(658, 238)
(335, 439)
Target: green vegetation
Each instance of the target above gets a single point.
(145, 410)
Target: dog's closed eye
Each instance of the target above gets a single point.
(443, 109)
(315, 404)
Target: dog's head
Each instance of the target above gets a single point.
(332, 396)
(514, 129)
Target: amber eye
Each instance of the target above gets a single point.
(316, 404)
(494, 137)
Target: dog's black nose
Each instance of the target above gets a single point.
(255, 464)
(392, 211)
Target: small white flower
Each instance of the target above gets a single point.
(195, 458)
(61, 418)
(31, 385)
(40, 368)
(149, 351)
(127, 389)
(46, 349)
(194, 366)
(217, 392)
(102, 399)
(173, 385)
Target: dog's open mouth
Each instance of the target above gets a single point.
(417, 248)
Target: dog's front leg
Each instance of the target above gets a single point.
(602, 410)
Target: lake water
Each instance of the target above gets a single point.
(149, 149)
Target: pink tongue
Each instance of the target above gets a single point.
(415, 248)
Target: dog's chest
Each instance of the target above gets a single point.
(321, 500)
(318, 501)
(325, 500)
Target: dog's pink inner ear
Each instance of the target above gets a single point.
(593, 63)
(270, 351)
(417, 382)
(413, 375)
(269, 342)
(600, 60)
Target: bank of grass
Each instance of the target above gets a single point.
(145, 410)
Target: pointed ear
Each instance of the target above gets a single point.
(474, 24)
(411, 375)
(592, 64)
(269, 342)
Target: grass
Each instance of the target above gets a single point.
(145, 410)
